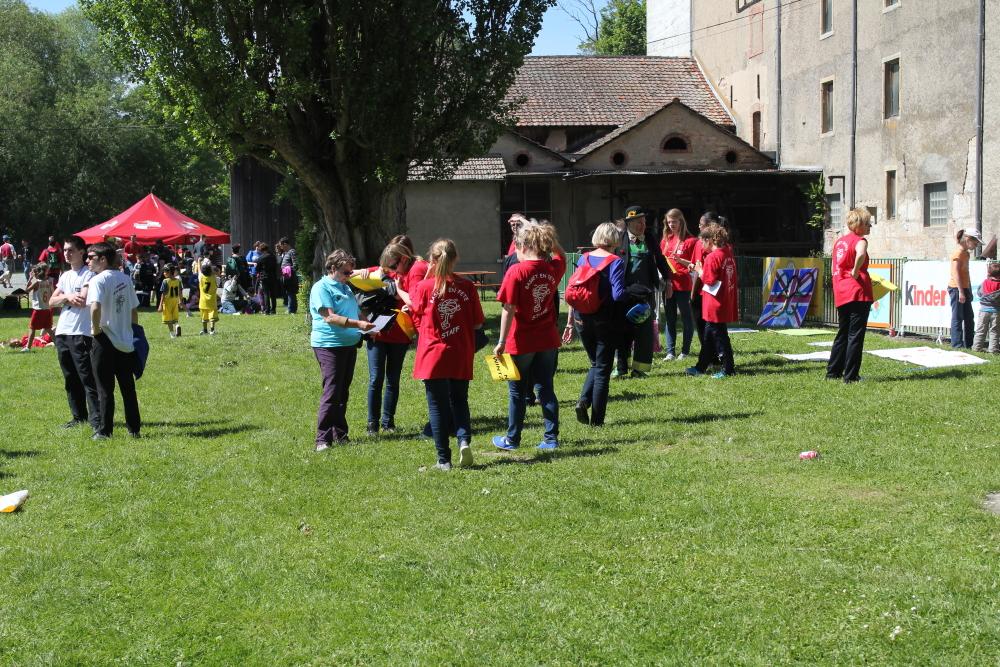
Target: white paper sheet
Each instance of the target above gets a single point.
(823, 343)
(380, 323)
(929, 357)
(712, 289)
(823, 355)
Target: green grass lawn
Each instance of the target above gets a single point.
(685, 531)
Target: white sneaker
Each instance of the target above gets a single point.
(671, 357)
(464, 455)
(681, 356)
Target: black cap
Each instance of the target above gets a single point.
(634, 212)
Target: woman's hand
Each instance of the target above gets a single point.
(961, 295)
(365, 325)
(498, 350)
(567, 336)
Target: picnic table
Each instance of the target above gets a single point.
(481, 279)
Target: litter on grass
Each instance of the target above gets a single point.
(805, 331)
(822, 343)
(12, 501)
(822, 355)
(807, 456)
(743, 330)
(929, 357)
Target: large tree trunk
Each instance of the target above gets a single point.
(361, 224)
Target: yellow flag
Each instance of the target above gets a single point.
(502, 367)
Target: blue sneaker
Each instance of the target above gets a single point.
(546, 445)
(693, 371)
(501, 442)
(721, 375)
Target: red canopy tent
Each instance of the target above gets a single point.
(150, 220)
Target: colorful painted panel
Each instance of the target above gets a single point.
(789, 299)
(881, 313)
(771, 266)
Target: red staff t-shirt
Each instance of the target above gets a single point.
(720, 265)
(845, 288)
(414, 275)
(446, 327)
(530, 286)
(394, 334)
(673, 247)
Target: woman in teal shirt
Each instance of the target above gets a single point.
(336, 332)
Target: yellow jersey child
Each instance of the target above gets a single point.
(170, 299)
(208, 298)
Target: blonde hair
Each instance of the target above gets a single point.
(393, 253)
(40, 270)
(405, 240)
(338, 259)
(858, 217)
(677, 214)
(537, 237)
(442, 256)
(607, 235)
(715, 234)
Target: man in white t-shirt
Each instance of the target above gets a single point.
(114, 308)
(73, 341)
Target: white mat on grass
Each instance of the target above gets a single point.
(823, 343)
(929, 357)
(823, 355)
(743, 330)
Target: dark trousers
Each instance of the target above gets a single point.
(385, 365)
(845, 355)
(110, 364)
(681, 300)
(336, 365)
(716, 348)
(963, 321)
(600, 343)
(81, 386)
(447, 405)
(637, 341)
(290, 287)
(699, 322)
(537, 369)
(268, 297)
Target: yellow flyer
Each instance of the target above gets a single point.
(502, 368)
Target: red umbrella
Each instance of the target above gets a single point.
(150, 220)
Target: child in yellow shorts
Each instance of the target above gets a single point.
(208, 298)
(170, 299)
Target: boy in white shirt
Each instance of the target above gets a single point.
(73, 340)
(114, 308)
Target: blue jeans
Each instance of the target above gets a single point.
(385, 364)
(600, 343)
(681, 300)
(963, 322)
(448, 403)
(540, 367)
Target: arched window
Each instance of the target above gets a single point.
(675, 144)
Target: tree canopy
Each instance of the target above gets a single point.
(77, 144)
(618, 28)
(346, 94)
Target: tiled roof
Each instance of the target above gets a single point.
(486, 168)
(565, 91)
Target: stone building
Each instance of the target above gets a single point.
(883, 96)
(597, 134)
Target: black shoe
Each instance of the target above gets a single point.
(581, 413)
(134, 434)
(388, 427)
(100, 436)
(73, 423)
(372, 428)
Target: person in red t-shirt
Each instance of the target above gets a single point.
(387, 349)
(678, 248)
(53, 258)
(528, 329)
(697, 256)
(446, 311)
(720, 301)
(852, 294)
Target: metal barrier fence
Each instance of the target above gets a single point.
(751, 277)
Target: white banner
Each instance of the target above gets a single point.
(925, 292)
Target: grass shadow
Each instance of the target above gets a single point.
(706, 417)
(547, 456)
(930, 374)
(221, 431)
(183, 424)
(11, 454)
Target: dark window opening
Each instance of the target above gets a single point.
(618, 158)
(731, 157)
(755, 137)
(522, 160)
(675, 144)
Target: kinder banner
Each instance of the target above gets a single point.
(771, 266)
(925, 292)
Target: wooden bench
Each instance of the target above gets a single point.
(482, 287)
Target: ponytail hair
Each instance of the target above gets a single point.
(405, 240)
(711, 217)
(959, 235)
(442, 256)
